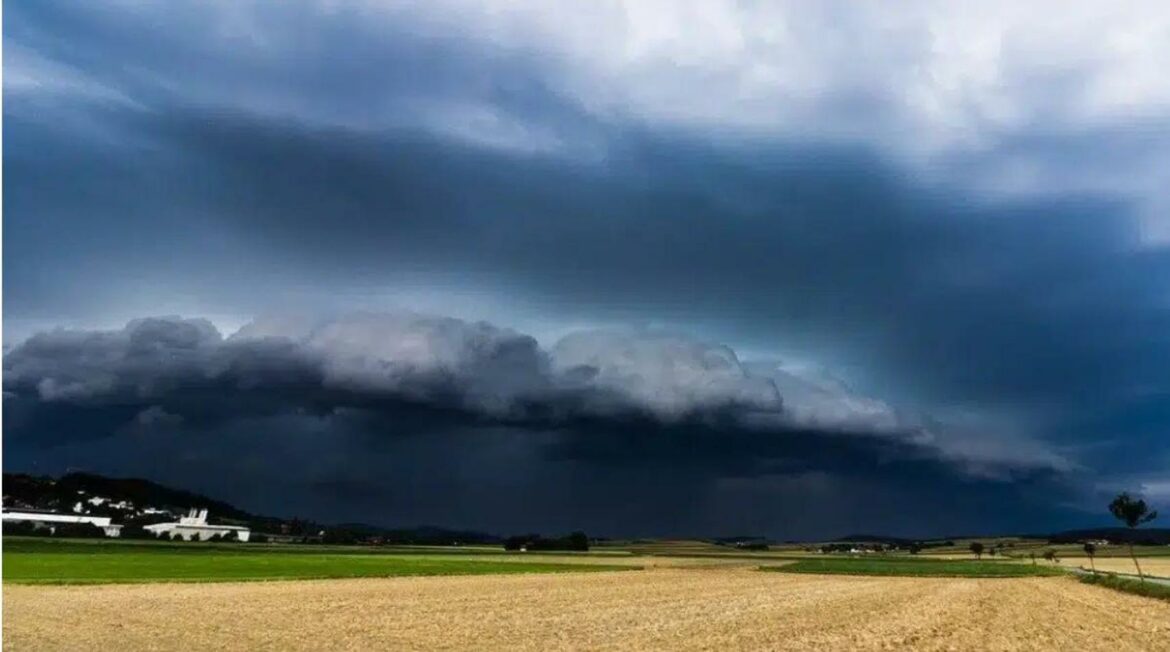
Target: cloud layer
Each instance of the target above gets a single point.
(169, 370)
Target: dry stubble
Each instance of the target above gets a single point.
(654, 609)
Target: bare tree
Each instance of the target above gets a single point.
(1133, 512)
(1091, 550)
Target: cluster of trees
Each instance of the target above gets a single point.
(574, 541)
(342, 536)
(751, 545)
(978, 549)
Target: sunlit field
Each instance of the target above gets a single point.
(1151, 566)
(677, 608)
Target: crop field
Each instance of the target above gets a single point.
(1153, 566)
(675, 608)
(915, 567)
(64, 562)
(76, 594)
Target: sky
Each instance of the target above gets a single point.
(639, 268)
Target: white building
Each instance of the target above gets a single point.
(194, 527)
(51, 520)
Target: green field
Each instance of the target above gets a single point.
(35, 561)
(912, 567)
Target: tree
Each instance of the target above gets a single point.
(580, 541)
(79, 531)
(1133, 512)
(1050, 555)
(1032, 555)
(977, 548)
(1091, 550)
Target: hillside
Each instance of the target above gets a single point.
(61, 494)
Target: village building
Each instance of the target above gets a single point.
(51, 520)
(194, 527)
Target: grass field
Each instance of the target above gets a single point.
(70, 562)
(1128, 585)
(913, 567)
(76, 594)
(669, 609)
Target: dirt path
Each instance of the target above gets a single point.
(656, 609)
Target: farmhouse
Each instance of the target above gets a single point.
(194, 527)
(51, 520)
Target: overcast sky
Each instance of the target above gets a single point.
(642, 268)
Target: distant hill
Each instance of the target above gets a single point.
(426, 535)
(874, 538)
(61, 494)
(1143, 536)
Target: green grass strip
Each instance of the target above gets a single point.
(127, 564)
(1136, 587)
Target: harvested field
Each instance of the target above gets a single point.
(673, 608)
(1154, 566)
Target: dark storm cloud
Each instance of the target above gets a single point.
(443, 372)
(1041, 305)
(218, 162)
(502, 479)
(368, 408)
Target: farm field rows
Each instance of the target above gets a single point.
(674, 608)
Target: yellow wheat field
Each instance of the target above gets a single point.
(662, 609)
